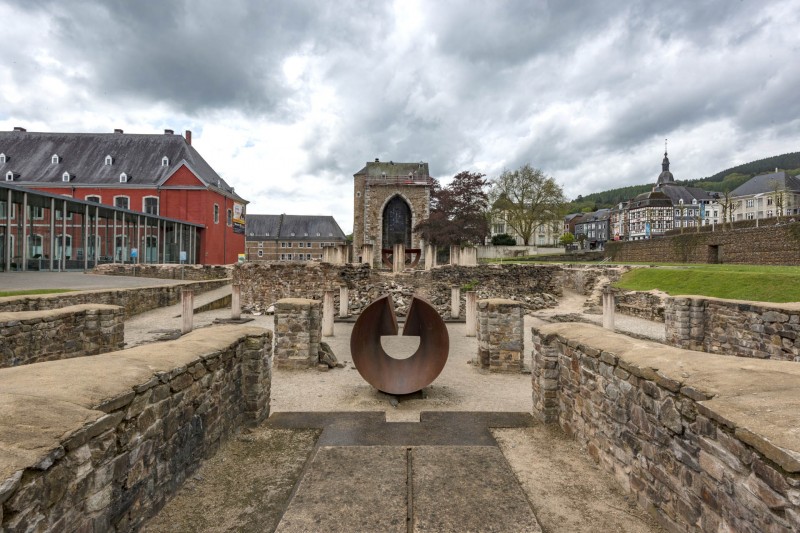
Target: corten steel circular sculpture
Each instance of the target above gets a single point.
(399, 376)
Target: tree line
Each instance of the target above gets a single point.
(462, 211)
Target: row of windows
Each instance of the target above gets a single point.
(55, 159)
(228, 216)
(149, 206)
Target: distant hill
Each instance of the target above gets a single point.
(724, 180)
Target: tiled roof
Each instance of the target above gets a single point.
(766, 183)
(83, 155)
(304, 227)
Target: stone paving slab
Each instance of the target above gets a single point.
(351, 489)
(433, 429)
(467, 489)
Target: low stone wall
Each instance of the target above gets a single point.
(766, 245)
(702, 441)
(649, 305)
(134, 301)
(500, 335)
(586, 280)
(732, 327)
(167, 271)
(36, 336)
(263, 284)
(100, 443)
(298, 332)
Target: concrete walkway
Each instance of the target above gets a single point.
(77, 281)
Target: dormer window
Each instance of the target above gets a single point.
(9, 176)
(55, 159)
(165, 161)
(2, 159)
(109, 160)
(123, 178)
(65, 176)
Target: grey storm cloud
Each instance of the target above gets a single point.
(564, 86)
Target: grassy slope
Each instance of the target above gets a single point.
(737, 282)
(32, 291)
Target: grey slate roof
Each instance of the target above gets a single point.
(677, 193)
(304, 227)
(766, 183)
(83, 155)
(376, 169)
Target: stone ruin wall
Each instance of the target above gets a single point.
(681, 457)
(648, 305)
(134, 301)
(767, 245)
(166, 271)
(75, 331)
(119, 458)
(263, 284)
(730, 327)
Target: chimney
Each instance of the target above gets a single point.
(188, 137)
(19, 128)
(169, 132)
(117, 130)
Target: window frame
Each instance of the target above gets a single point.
(216, 213)
(128, 198)
(158, 205)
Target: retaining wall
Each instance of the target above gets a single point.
(732, 327)
(649, 305)
(166, 271)
(702, 441)
(35, 336)
(263, 284)
(766, 245)
(100, 443)
(134, 301)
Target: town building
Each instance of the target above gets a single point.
(546, 233)
(146, 174)
(592, 230)
(767, 196)
(389, 200)
(290, 237)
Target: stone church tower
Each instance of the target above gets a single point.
(390, 199)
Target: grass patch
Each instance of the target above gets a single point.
(735, 282)
(33, 291)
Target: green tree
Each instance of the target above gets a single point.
(458, 212)
(527, 198)
(503, 239)
(566, 239)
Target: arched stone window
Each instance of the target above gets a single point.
(396, 223)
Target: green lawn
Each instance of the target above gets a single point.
(33, 291)
(736, 282)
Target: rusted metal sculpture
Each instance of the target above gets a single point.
(412, 256)
(399, 376)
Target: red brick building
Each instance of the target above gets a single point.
(150, 174)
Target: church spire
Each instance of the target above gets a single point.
(665, 162)
(665, 178)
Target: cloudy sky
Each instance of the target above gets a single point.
(287, 100)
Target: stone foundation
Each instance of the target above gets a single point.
(263, 284)
(167, 271)
(100, 443)
(648, 305)
(134, 301)
(500, 335)
(702, 441)
(298, 332)
(732, 327)
(35, 336)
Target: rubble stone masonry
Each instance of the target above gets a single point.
(100, 443)
(166, 271)
(298, 332)
(263, 284)
(500, 335)
(704, 442)
(35, 336)
(134, 301)
(731, 327)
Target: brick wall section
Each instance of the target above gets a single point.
(298, 331)
(681, 433)
(166, 271)
(106, 453)
(731, 327)
(647, 305)
(263, 284)
(36, 336)
(767, 245)
(500, 335)
(134, 301)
